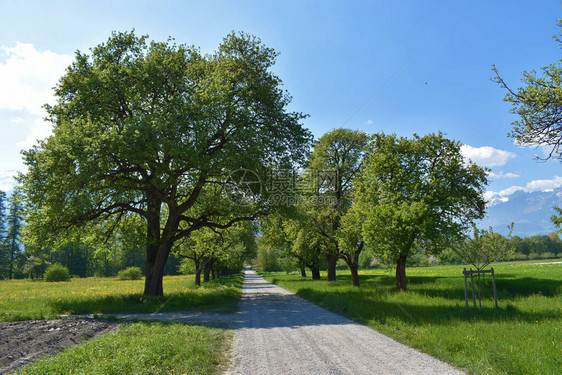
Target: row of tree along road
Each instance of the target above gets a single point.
(157, 145)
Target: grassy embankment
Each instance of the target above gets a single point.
(139, 348)
(522, 336)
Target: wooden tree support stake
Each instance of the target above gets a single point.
(494, 285)
(465, 289)
(472, 285)
(478, 272)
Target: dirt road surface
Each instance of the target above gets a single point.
(23, 342)
(279, 333)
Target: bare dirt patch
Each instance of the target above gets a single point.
(22, 342)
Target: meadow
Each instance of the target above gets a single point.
(522, 336)
(143, 348)
(29, 299)
(138, 348)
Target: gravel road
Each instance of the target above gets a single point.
(277, 332)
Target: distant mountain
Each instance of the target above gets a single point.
(530, 211)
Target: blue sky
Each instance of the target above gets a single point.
(334, 56)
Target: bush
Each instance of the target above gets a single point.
(57, 272)
(418, 259)
(448, 256)
(130, 273)
(518, 256)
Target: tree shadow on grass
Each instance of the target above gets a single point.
(453, 287)
(506, 288)
(220, 296)
(364, 308)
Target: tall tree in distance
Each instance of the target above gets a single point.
(416, 191)
(335, 160)
(158, 130)
(14, 222)
(206, 248)
(292, 231)
(3, 248)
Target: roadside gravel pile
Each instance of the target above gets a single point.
(22, 342)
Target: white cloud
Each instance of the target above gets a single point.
(40, 130)
(543, 185)
(489, 195)
(28, 76)
(535, 185)
(486, 156)
(503, 175)
(545, 150)
(7, 181)
(369, 122)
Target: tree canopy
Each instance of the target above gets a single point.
(538, 105)
(155, 129)
(416, 191)
(485, 247)
(334, 162)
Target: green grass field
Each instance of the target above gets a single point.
(139, 348)
(522, 336)
(26, 299)
(142, 348)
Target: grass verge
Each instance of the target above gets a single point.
(143, 348)
(522, 336)
(26, 299)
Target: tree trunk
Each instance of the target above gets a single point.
(12, 253)
(212, 273)
(352, 260)
(332, 259)
(153, 286)
(197, 271)
(207, 266)
(198, 276)
(315, 273)
(401, 273)
(303, 272)
(354, 274)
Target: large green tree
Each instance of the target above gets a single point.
(159, 130)
(335, 160)
(416, 191)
